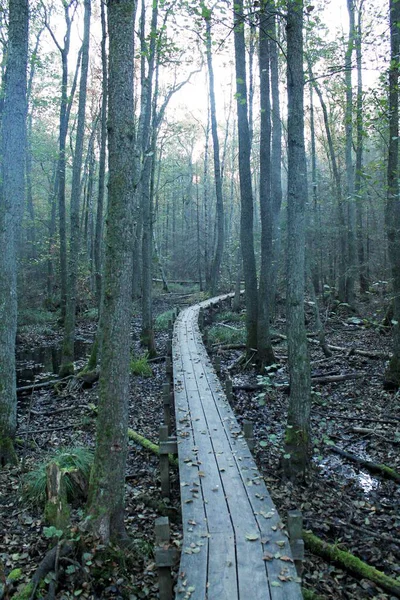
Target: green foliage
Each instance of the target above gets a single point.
(52, 532)
(68, 459)
(36, 316)
(218, 334)
(140, 366)
(91, 314)
(231, 316)
(161, 323)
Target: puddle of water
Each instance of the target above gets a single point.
(43, 362)
(335, 464)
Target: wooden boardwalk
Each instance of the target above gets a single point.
(234, 545)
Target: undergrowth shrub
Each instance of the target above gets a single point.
(68, 459)
(140, 366)
(161, 322)
(36, 316)
(218, 334)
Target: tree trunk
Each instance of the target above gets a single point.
(265, 353)
(147, 333)
(297, 439)
(67, 360)
(11, 207)
(98, 243)
(351, 209)
(359, 158)
(217, 259)
(106, 495)
(276, 159)
(392, 375)
(246, 192)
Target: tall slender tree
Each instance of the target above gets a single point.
(351, 208)
(67, 361)
(297, 439)
(392, 375)
(265, 352)
(246, 190)
(217, 258)
(107, 482)
(13, 144)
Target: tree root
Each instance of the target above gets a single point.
(380, 469)
(350, 563)
(48, 564)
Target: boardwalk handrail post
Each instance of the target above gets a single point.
(201, 319)
(249, 434)
(217, 365)
(228, 388)
(205, 338)
(295, 529)
(168, 368)
(164, 463)
(165, 558)
(167, 405)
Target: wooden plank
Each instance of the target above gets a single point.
(239, 518)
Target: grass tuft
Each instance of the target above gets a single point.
(68, 459)
(140, 366)
(218, 334)
(161, 323)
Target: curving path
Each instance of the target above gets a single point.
(234, 545)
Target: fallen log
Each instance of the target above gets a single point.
(350, 563)
(42, 385)
(351, 351)
(148, 445)
(380, 469)
(364, 419)
(369, 431)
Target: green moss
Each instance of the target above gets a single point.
(392, 374)
(310, 595)
(14, 575)
(66, 369)
(389, 472)
(7, 452)
(25, 593)
(58, 514)
(350, 562)
(148, 445)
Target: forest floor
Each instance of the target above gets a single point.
(341, 503)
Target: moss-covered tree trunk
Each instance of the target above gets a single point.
(246, 191)
(392, 375)
(297, 431)
(13, 145)
(107, 482)
(67, 361)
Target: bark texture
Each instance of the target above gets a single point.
(217, 259)
(265, 352)
(11, 208)
(67, 363)
(106, 495)
(246, 191)
(392, 375)
(297, 432)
